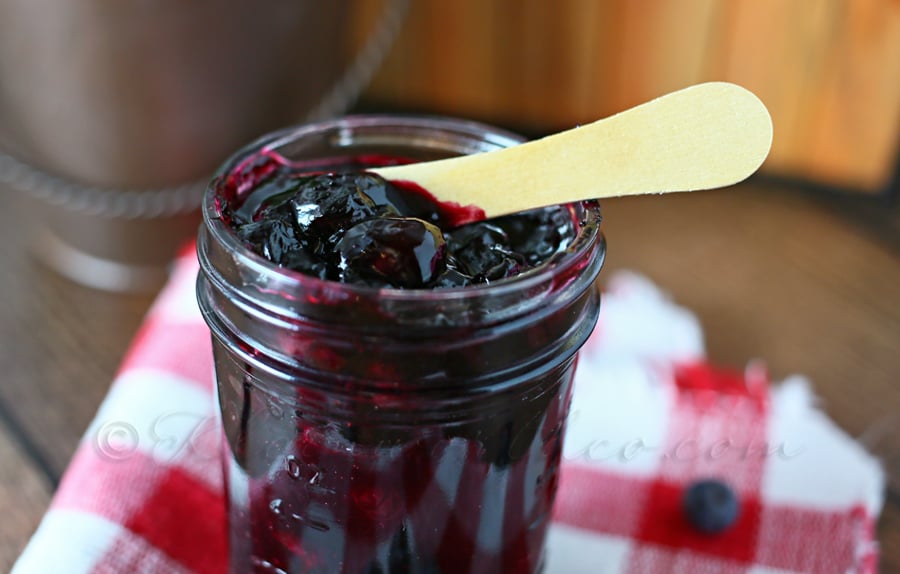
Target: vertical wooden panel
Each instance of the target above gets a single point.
(396, 81)
(779, 50)
(663, 48)
(854, 129)
(470, 32)
(757, 36)
(510, 50)
(364, 14)
(524, 44)
(586, 46)
(588, 58)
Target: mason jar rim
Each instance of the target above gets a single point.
(494, 137)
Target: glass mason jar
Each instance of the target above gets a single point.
(387, 430)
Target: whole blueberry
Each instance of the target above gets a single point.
(400, 251)
(711, 505)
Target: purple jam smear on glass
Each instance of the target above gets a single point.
(353, 226)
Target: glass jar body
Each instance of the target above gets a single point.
(380, 430)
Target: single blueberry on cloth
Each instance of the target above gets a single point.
(711, 506)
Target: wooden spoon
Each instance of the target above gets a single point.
(705, 136)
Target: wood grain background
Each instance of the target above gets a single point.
(829, 70)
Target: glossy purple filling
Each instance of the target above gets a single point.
(356, 227)
(469, 500)
(314, 491)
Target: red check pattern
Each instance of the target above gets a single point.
(144, 493)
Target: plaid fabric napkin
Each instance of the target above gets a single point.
(143, 493)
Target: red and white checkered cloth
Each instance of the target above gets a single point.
(143, 493)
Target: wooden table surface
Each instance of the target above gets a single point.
(809, 283)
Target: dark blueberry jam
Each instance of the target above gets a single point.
(314, 494)
(356, 227)
(398, 432)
